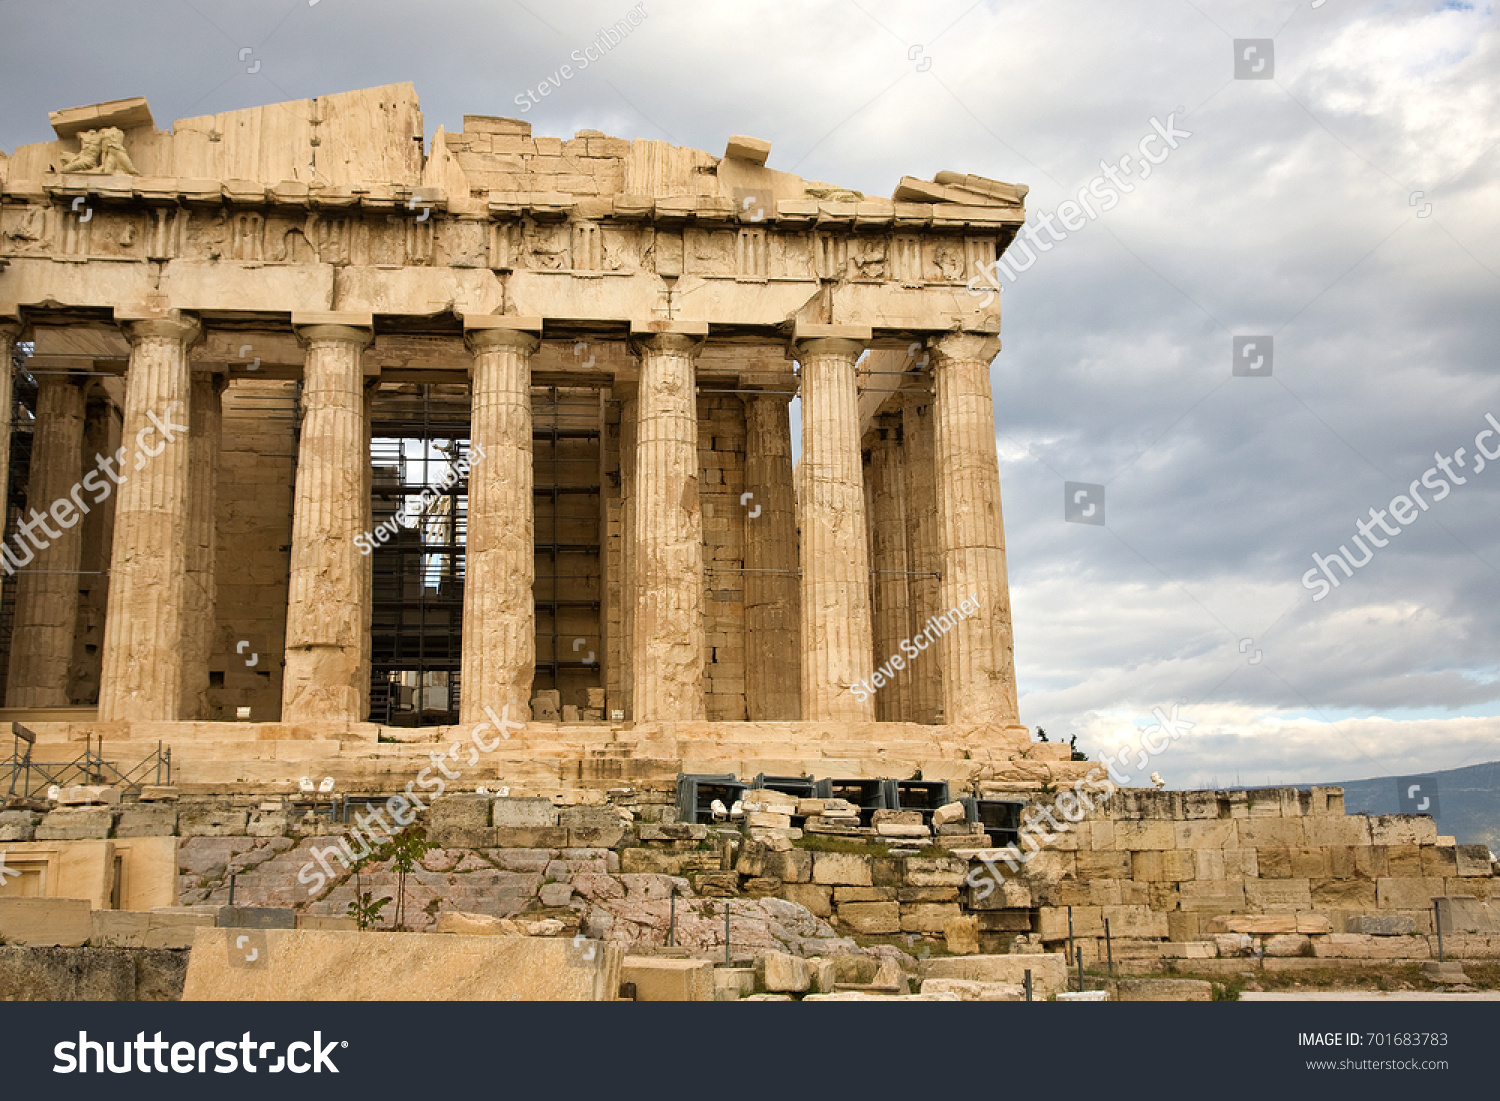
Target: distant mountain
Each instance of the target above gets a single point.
(1468, 801)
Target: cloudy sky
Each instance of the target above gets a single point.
(1340, 199)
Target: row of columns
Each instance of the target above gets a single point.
(161, 592)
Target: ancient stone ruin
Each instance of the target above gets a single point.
(351, 476)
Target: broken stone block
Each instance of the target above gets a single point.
(848, 869)
(158, 793)
(768, 819)
(522, 813)
(784, 973)
(948, 814)
(753, 150)
(890, 976)
(150, 820)
(871, 917)
(473, 925)
(18, 825)
(460, 811)
(669, 980)
(84, 795)
(961, 935)
(824, 975)
(733, 983)
(935, 871)
(77, 824)
(556, 894)
(1381, 925)
(1288, 944)
(1473, 860)
(900, 829)
(897, 817)
(201, 821)
(968, 990)
(1165, 990)
(569, 713)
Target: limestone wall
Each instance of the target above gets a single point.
(1179, 875)
(1167, 864)
(721, 481)
(257, 468)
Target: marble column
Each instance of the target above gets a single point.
(772, 662)
(629, 421)
(979, 680)
(837, 643)
(328, 615)
(145, 628)
(919, 472)
(499, 634)
(667, 532)
(889, 577)
(46, 608)
(204, 440)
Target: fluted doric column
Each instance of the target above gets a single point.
(890, 612)
(46, 609)
(979, 678)
(145, 626)
(837, 643)
(499, 634)
(919, 472)
(205, 420)
(667, 676)
(327, 622)
(772, 662)
(629, 421)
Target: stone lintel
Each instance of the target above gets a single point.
(352, 319)
(654, 327)
(804, 330)
(478, 321)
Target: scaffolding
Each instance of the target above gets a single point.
(418, 434)
(567, 453)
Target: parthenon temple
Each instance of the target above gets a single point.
(327, 439)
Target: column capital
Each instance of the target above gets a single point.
(964, 348)
(11, 321)
(485, 331)
(815, 339)
(350, 328)
(671, 337)
(185, 328)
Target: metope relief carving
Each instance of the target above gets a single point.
(101, 153)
